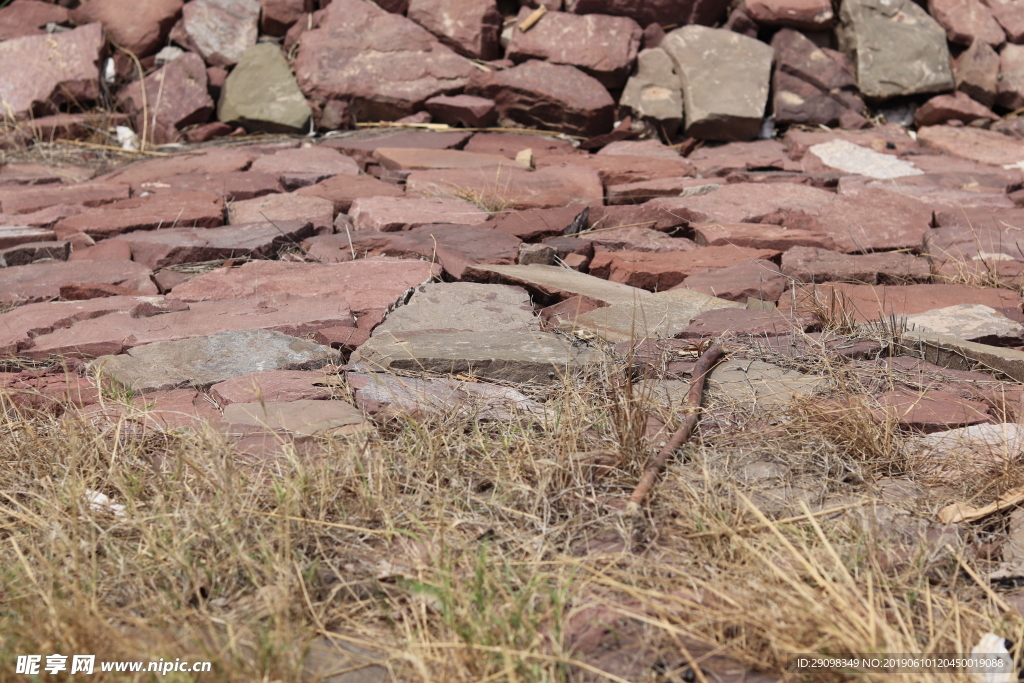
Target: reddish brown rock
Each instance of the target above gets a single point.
(511, 144)
(209, 131)
(342, 190)
(463, 110)
(721, 322)
(996, 239)
(412, 159)
(361, 147)
(794, 206)
(42, 281)
(107, 250)
(641, 191)
(648, 215)
(809, 264)
(280, 15)
(42, 174)
(234, 186)
(1010, 16)
(355, 38)
(43, 72)
(930, 411)
(977, 73)
(31, 252)
(172, 210)
(874, 220)
(809, 15)
(366, 285)
(49, 392)
(665, 12)
(470, 27)
(21, 200)
(1011, 77)
(385, 214)
(272, 386)
(615, 169)
(220, 30)
(44, 218)
(604, 47)
(535, 224)
(176, 97)
(305, 165)
(721, 160)
(511, 188)
(347, 339)
(958, 107)
(661, 271)
(871, 303)
(29, 18)
(812, 84)
(966, 21)
(140, 28)
(284, 207)
(162, 248)
(757, 236)
(211, 160)
(756, 279)
(550, 96)
(887, 139)
(975, 144)
(117, 332)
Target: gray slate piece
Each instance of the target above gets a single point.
(262, 93)
(204, 361)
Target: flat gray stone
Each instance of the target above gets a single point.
(852, 158)
(505, 355)
(450, 307)
(725, 78)
(552, 282)
(304, 418)
(654, 91)
(970, 322)
(657, 316)
(745, 382)
(204, 361)
(261, 93)
(896, 47)
(958, 354)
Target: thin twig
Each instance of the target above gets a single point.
(682, 435)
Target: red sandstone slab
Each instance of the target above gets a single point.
(511, 144)
(616, 169)
(274, 386)
(288, 207)
(387, 214)
(720, 322)
(888, 139)
(810, 264)
(874, 220)
(361, 147)
(870, 303)
(661, 271)
(232, 185)
(42, 281)
(212, 160)
(757, 236)
(724, 159)
(365, 284)
(931, 410)
(512, 188)
(44, 218)
(305, 165)
(117, 332)
(534, 224)
(30, 199)
(342, 190)
(162, 248)
(413, 159)
(172, 210)
(758, 279)
(14, 235)
(637, 238)
(781, 204)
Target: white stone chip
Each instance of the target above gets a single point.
(851, 158)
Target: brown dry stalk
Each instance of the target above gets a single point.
(703, 366)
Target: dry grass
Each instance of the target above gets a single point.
(449, 550)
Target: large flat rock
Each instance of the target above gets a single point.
(303, 418)
(208, 360)
(366, 285)
(787, 204)
(552, 284)
(442, 307)
(388, 214)
(172, 210)
(756, 384)
(42, 281)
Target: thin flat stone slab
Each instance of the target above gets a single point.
(757, 236)
(119, 331)
(31, 252)
(233, 185)
(551, 284)
(383, 394)
(871, 303)
(971, 322)
(509, 356)
(757, 384)
(931, 410)
(658, 271)
(342, 190)
(162, 248)
(444, 307)
(975, 144)
(42, 281)
(419, 159)
(211, 160)
(366, 284)
(656, 316)
(755, 279)
(304, 418)
(512, 188)
(19, 199)
(388, 214)
(808, 264)
(288, 208)
(781, 204)
(14, 235)
(306, 164)
(171, 210)
(275, 386)
(205, 361)
(874, 220)
(721, 322)
(958, 354)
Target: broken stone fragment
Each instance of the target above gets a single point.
(261, 93)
